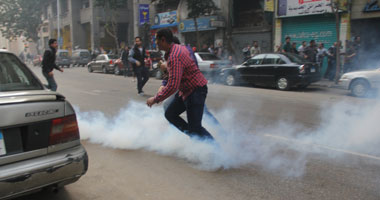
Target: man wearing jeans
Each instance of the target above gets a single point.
(136, 57)
(48, 64)
(184, 76)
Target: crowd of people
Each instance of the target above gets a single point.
(317, 53)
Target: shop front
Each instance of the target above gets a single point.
(205, 27)
(164, 20)
(306, 21)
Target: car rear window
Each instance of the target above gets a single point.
(84, 54)
(14, 76)
(296, 58)
(63, 54)
(208, 57)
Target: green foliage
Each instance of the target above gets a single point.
(20, 17)
(200, 7)
(111, 4)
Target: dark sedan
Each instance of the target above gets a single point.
(282, 71)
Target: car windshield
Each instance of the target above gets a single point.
(296, 58)
(14, 76)
(207, 56)
(63, 54)
(84, 54)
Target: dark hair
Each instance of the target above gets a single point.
(287, 38)
(166, 33)
(138, 37)
(51, 41)
(176, 40)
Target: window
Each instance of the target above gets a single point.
(85, 3)
(296, 58)
(208, 56)
(271, 59)
(84, 54)
(14, 76)
(256, 60)
(100, 57)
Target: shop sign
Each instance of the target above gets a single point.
(144, 13)
(290, 8)
(204, 24)
(372, 6)
(166, 19)
(269, 6)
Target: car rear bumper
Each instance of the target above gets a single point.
(55, 169)
(306, 79)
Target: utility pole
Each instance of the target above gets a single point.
(58, 25)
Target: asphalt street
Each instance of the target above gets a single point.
(328, 172)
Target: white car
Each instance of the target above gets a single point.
(360, 83)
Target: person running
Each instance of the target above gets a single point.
(185, 77)
(137, 56)
(48, 64)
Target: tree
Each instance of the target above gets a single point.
(199, 8)
(111, 15)
(21, 18)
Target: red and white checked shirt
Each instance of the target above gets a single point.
(184, 74)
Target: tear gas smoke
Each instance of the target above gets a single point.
(344, 126)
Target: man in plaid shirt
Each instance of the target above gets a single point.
(185, 77)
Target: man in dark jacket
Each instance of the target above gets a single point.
(136, 57)
(124, 59)
(48, 64)
(311, 52)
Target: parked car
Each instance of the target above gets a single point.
(152, 60)
(361, 83)
(210, 65)
(104, 63)
(39, 134)
(282, 71)
(37, 60)
(63, 58)
(120, 68)
(81, 57)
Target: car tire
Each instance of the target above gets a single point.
(117, 71)
(90, 69)
(360, 88)
(104, 70)
(230, 80)
(283, 83)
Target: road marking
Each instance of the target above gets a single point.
(322, 147)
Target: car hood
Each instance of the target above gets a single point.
(29, 96)
(363, 72)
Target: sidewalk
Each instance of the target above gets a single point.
(326, 83)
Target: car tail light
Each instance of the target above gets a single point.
(111, 62)
(64, 129)
(212, 66)
(302, 69)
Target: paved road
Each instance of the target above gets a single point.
(271, 150)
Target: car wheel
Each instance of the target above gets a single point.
(360, 88)
(230, 80)
(90, 69)
(282, 83)
(117, 71)
(104, 69)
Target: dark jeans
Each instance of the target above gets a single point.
(52, 85)
(142, 74)
(194, 107)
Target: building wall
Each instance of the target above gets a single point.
(357, 10)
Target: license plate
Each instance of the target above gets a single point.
(312, 69)
(2, 145)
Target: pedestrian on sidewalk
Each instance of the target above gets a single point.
(184, 77)
(255, 49)
(311, 52)
(124, 60)
(287, 48)
(137, 57)
(48, 64)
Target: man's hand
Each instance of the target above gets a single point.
(138, 63)
(60, 69)
(150, 101)
(51, 73)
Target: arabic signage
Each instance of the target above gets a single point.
(166, 19)
(372, 6)
(204, 24)
(290, 8)
(144, 13)
(269, 6)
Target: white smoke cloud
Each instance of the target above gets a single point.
(279, 148)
